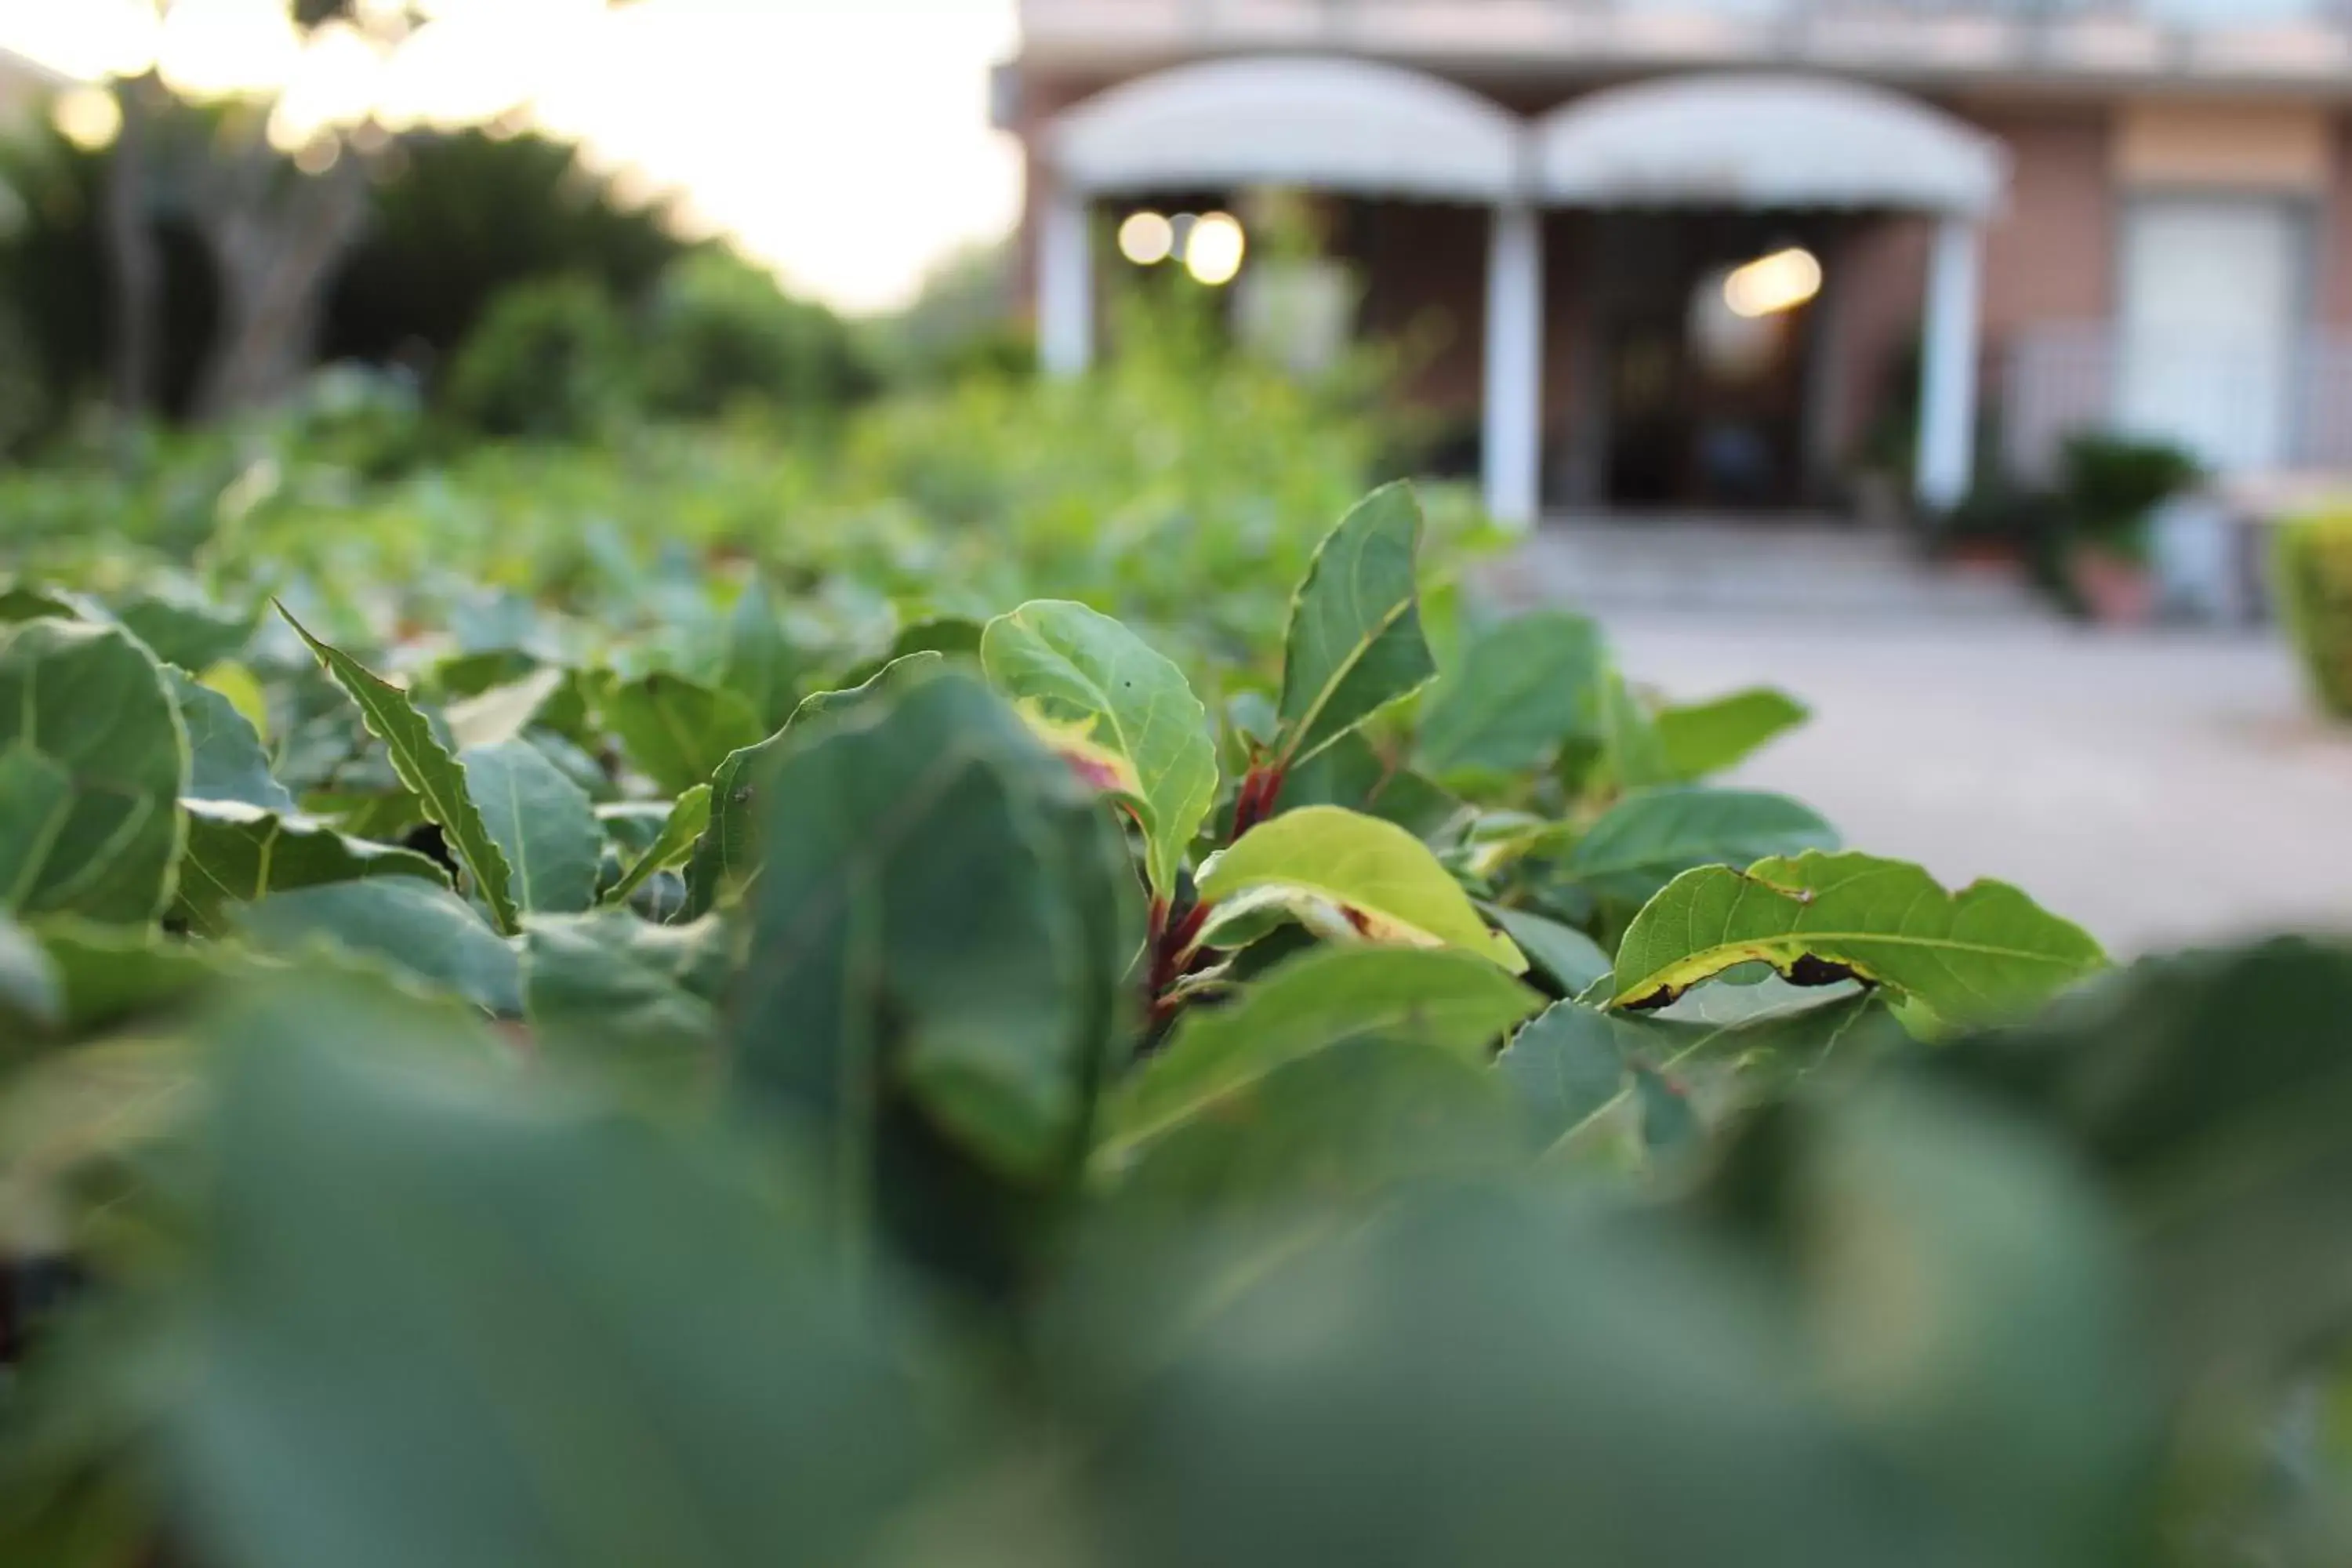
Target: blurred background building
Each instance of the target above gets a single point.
(1749, 254)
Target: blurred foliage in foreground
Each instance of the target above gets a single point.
(2313, 572)
(1007, 1115)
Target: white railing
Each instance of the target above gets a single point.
(2233, 38)
(2244, 412)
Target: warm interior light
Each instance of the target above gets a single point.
(1147, 238)
(1213, 251)
(1772, 284)
(88, 117)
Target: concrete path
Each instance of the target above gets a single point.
(2164, 790)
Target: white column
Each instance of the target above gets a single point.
(1065, 286)
(1948, 372)
(1515, 328)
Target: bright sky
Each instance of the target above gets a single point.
(845, 142)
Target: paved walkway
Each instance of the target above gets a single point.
(2164, 790)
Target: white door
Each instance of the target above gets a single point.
(2210, 292)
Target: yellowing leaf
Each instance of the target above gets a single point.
(1342, 872)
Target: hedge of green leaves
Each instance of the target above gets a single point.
(2313, 573)
(988, 1099)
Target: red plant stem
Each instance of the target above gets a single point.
(1261, 787)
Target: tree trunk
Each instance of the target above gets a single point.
(275, 247)
(136, 256)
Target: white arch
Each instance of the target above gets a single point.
(1765, 141)
(1326, 123)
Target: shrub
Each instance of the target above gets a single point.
(551, 361)
(2315, 587)
(719, 333)
(2110, 485)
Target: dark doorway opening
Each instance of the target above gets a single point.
(1709, 348)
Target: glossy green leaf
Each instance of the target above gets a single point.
(1351, 773)
(940, 907)
(244, 691)
(2209, 1093)
(1650, 838)
(1125, 718)
(430, 773)
(687, 821)
(1984, 952)
(543, 826)
(637, 1002)
(1346, 874)
(1631, 746)
(1449, 1000)
(226, 759)
(1350, 1123)
(727, 856)
(1576, 1063)
(30, 990)
(425, 932)
(1355, 643)
(1562, 954)
(92, 762)
(238, 853)
(1521, 689)
(185, 631)
(676, 732)
(447, 1323)
(1707, 738)
(760, 666)
(110, 975)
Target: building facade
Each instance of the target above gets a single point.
(1733, 252)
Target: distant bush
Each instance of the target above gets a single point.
(720, 332)
(551, 362)
(2315, 589)
(2113, 484)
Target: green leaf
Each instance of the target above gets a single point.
(1560, 953)
(503, 712)
(1347, 1124)
(92, 759)
(1983, 952)
(1451, 1001)
(226, 758)
(1349, 772)
(545, 826)
(419, 930)
(1355, 644)
(245, 694)
(444, 1323)
(676, 732)
(1631, 748)
(940, 907)
(1345, 873)
(727, 856)
(1709, 737)
(1124, 716)
(185, 631)
(759, 666)
(1648, 839)
(2209, 1093)
(238, 853)
(110, 975)
(426, 768)
(1523, 687)
(637, 1002)
(1577, 1064)
(689, 820)
(30, 990)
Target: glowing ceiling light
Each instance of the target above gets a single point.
(88, 117)
(1147, 238)
(1214, 249)
(1773, 284)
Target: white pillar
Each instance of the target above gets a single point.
(1515, 329)
(1947, 371)
(1065, 286)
